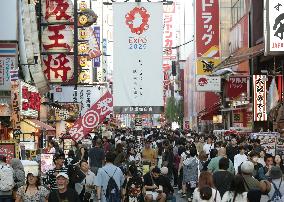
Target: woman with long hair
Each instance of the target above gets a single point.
(237, 191)
(205, 192)
(32, 191)
(278, 161)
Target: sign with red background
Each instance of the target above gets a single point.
(207, 28)
(236, 86)
(92, 118)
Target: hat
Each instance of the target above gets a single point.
(33, 173)
(275, 172)
(247, 167)
(63, 175)
(164, 170)
(58, 156)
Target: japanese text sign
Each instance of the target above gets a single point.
(236, 86)
(207, 28)
(208, 83)
(275, 23)
(259, 84)
(92, 118)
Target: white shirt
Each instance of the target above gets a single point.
(89, 180)
(229, 196)
(196, 196)
(238, 159)
(208, 147)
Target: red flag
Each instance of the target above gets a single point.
(95, 115)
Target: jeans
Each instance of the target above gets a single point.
(6, 198)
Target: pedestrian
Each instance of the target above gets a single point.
(19, 175)
(277, 184)
(223, 178)
(86, 188)
(240, 158)
(154, 186)
(32, 191)
(205, 192)
(58, 160)
(254, 195)
(247, 169)
(213, 166)
(109, 176)
(254, 157)
(149, 155)
(96, 157)
(263, 172)
(236, 192)
(232, 149)
(50, 147)
(278, 161)
(209, 145)
(133, 187)
(6, 183)
(63, 192)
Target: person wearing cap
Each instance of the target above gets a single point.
(63, 193)
(276, 177)
(32, 190)
(58, 160)
(247, 169)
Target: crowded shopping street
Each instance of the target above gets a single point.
(141, 101)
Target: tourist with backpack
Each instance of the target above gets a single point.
(276, 193)
(109, 181)
(6, 181)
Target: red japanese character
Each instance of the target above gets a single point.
(58, 9)
(57, 65)
(56, 37)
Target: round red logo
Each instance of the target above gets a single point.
(131, 17)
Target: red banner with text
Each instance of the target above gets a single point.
(92, 118)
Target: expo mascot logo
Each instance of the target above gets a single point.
(133, 16)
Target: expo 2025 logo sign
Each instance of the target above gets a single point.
(132, 17)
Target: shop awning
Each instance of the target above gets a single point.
(208, 113)
(38, 124)
(241, 56)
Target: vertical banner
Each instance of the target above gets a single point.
(207, 35)
(92, 118)
(274, 24)
(259, 87)
(138, 53)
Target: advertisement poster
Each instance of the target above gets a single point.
(46, 162)
(9, 149)
(208, 83)
(280, 147)
(138, 57)
(267, 140)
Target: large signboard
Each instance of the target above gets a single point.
(274, 25)
(208, 83)
(138, 53)
(84, 95)
(92, 118)
(207, 35)
(207, 28)
(259, 104)
(29, 100)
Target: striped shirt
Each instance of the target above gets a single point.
(51, 177)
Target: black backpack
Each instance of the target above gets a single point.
(112, 191)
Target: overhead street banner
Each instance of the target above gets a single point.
(138, 54)
(92, 118)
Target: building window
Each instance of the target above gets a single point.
(238, 10)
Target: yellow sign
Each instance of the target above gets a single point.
(83, 48)
(83, 61)
(205, 66)
(83, 34)
(83, 19)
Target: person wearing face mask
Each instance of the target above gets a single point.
(253, 157)
(63, 193)
(87, 186)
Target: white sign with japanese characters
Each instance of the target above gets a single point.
(138, 53)
(259, 87)
(276, 26)
(208, 83)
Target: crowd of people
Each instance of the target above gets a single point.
(153, 165)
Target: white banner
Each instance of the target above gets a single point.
(275, 20)
(208, 83)
(260, 97)
(138, 52)
(86, 96)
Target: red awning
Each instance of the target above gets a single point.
(208, 113)
(38, 124)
